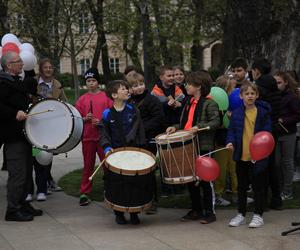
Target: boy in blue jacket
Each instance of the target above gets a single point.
(252, 117)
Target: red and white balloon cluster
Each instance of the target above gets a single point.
(10, 42)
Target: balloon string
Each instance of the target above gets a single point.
(213, 152)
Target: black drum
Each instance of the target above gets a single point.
(128, 179)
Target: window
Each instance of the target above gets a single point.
(114, 65)
(83, 23)
(85, 64)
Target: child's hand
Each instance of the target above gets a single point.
(89, 117)
(230, 146)
(177, 104)
(110, 150)
(170, 130)
(95, 122)
(171, 101)
(229, 113)
(194, 129)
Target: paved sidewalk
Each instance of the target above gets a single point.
(66, 225)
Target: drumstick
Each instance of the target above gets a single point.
(213, 151)
(206, 128)
(97, 169)
(41, 112)
(281, 125)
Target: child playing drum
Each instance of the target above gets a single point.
(121, 126)
(91, 106)
(200, 112)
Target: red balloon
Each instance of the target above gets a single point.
(261, 145)
(10, 47)
(207, 168)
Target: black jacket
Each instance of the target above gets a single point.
(289, 112)
(152, 113)
(269, 92)
(13, 97)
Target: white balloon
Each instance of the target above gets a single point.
(27, 47)
(10, 38)
(29, 60)
(44, 158)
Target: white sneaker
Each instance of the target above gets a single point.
(219, 201)
(29, 197)
(249, 200)
(41, 197)
(257, 221)
(238, 220)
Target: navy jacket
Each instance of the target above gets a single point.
(121, 129)
(236, 128)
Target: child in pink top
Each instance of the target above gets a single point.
(91, 106)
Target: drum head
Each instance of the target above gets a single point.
(51, 129)
(180, 135)
(131, 161)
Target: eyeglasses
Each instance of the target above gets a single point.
(18, 61)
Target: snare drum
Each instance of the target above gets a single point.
(58, 131)
(177, 153)
(128, 179)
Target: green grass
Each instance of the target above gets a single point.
(71, 184)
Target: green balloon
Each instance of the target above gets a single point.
(226, 120)
(220, 97)
(35, 152)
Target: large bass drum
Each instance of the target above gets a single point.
(129, 179)
(53, 126)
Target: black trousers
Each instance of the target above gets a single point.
(199, 202)
(245, 172)
(19, 167)
(273, 180)
(41, 177)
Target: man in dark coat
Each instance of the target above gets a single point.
(269, 93)
(14, 100)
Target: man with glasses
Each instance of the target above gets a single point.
(14, 100)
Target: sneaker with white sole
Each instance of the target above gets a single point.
(219, 201)
(286, 197)
(41, 197)
(29, 197)
(238, 220)
(257, 221)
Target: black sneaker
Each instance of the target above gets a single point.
(134, 219)
(192, 215)
(120, 219)
(208, 218)
(18, 216)
(27, 208)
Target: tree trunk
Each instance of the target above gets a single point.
(101, 45)
(163, 39)
(197, 49)
(258, 28)
(4, 22)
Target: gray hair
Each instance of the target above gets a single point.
(8, 56)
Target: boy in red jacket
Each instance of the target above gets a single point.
(91, 106)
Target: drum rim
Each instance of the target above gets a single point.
(130, 172)
(71, 131)
(186, 137)
(119, 208)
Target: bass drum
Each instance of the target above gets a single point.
(54, 126)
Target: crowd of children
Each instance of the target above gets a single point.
(129, 114)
